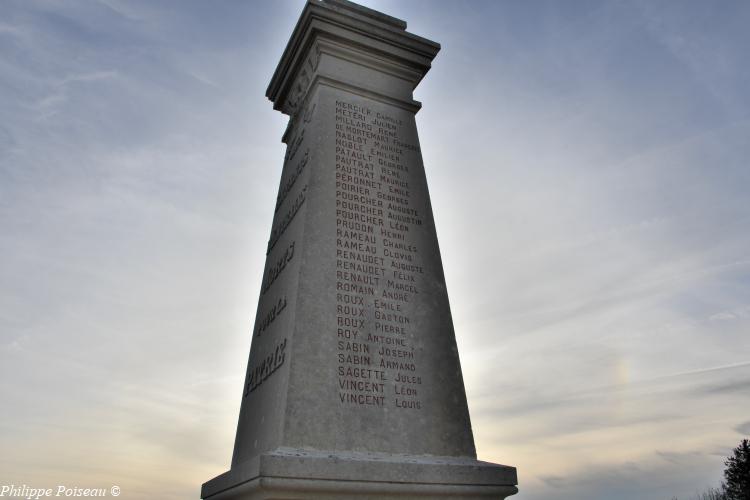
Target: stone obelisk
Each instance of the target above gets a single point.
(354, 386)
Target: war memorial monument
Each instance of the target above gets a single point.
(353, 385)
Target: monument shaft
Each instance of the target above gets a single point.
(354, 385)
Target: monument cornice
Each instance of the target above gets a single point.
(356, 34)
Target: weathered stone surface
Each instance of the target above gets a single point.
(354, 386)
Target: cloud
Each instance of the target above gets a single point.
(678, 458)
(743, 428)
(723, 316)
(739, 312)
(739, 387)
(88, 77)
(661, 476)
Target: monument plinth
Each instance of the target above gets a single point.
(354, 386)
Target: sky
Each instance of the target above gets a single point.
(588, 167)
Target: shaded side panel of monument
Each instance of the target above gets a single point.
(264, 398)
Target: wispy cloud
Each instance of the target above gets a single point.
(743, 428)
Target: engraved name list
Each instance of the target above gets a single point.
(377, 271)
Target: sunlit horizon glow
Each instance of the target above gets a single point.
(588, 168)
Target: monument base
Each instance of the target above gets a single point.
(306, 474)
